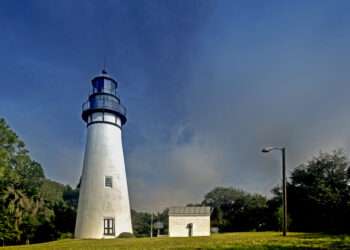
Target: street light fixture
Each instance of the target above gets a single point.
(284, 184)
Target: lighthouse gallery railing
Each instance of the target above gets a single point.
(104, 103)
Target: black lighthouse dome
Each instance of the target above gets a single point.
(103, 100)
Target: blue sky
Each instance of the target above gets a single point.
(206, 84)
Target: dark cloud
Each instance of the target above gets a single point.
(207, 85)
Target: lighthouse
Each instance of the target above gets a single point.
(103, 208)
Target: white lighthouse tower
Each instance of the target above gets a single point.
(104, 208)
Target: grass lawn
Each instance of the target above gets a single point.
(265, 240)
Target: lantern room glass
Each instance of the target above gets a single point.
(103, 85)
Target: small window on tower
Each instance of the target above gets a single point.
(108, 181)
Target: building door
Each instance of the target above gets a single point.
(108, 227)
(190, 229)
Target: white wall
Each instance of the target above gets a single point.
(103, 157)
(178, 225)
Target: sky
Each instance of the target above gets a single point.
(207, 84)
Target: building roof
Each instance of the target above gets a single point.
(189, 211)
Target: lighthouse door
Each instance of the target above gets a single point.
(108, 224)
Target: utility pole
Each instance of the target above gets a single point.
(284, 184)
(158, 225)
(151, 225)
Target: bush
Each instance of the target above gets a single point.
(67, 235)
(126, 235)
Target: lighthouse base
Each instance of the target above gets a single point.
(104, 208)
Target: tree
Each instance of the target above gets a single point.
(141, 223)
(319, 192)
(26, 213)
(236, 210)
(22, 209)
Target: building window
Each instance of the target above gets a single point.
(108, 181)
(108, 226)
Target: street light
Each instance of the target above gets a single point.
(284, 184)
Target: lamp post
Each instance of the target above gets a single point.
(284, 183)
(151, 233)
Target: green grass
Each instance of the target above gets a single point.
(260, 241)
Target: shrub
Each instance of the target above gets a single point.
(67, 235)
(126, 235)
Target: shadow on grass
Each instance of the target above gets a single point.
(341, 245)
(290, 248)
(338, 242)
(266, 248)
(311, 235)
(319, 235)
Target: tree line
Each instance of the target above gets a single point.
(36, 209)
(32, 208)
(318, 201)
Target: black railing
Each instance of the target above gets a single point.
(104, 104)
(105, 91)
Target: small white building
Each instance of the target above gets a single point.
(189, 221)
